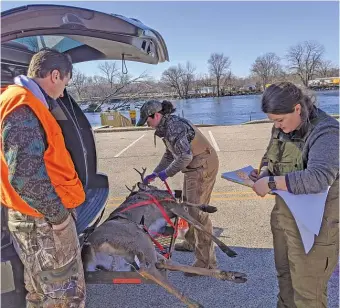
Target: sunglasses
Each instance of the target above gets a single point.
(152, 116)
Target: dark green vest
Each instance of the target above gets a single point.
(284, 153)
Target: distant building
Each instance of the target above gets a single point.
(249, 87)
(326, 81)
(205, 90)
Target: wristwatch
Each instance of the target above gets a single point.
(271, 183)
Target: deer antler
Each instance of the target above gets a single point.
(132, 189)
(141, 173)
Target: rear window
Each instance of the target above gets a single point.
(60, 43)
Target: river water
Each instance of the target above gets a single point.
(229, 110)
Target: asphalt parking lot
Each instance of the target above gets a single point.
(242, 222)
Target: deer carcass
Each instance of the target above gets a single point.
(127, 234)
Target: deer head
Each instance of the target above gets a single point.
(140, 185)
(142, 174)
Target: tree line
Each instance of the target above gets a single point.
(300, 64)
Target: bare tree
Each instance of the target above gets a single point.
(79, 81)
(304, 58)
(267, 68)
(188, 78)
(218, 67)
(98, 86)
(109, 71)
(121, 89)
(327, 69)
(180, 78)
(204, 80)
(172, 77)
(226, 81)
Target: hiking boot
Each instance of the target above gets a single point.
(184, 246)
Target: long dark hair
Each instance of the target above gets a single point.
(167, 108)
(282, 97)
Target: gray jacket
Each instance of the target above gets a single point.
(320, 155)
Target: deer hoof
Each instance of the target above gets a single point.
(195, 305)
(208, 208)
(229, 252)
(233, 276)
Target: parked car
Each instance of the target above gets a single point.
(85, 35)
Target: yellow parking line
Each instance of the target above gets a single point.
(220, 199)
(233, 193)
(243, 198)
(213, 193)
(113, 204)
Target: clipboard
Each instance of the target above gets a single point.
(239, 176)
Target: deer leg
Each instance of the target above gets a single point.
(154, 275)
(203, 207)
(215, 273)
(206, 208)
(197, 225)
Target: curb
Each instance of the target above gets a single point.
(107, 129)
(335, 116)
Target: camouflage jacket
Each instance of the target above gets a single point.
(24, 143)
(177, 134)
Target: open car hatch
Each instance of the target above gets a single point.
(82, 33)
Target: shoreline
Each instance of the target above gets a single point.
(108, 129)
(210, 95)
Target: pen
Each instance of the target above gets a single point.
(258, 172)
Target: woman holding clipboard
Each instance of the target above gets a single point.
(302, 158)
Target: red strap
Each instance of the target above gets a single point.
(159, 245)
(168, 187)
(160, 207)
(146, 202)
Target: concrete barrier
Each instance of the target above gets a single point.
(108, 129)
(336, 116)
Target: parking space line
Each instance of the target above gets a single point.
(214, 141)
(130, 145)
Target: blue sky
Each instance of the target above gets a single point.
(241, 30)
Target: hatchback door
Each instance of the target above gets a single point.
(84, 34)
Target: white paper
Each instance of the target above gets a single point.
(307, 211)
(307, 236)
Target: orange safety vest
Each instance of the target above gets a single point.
(58, 162)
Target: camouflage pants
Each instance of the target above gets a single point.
(303, 277)
(197, 188)
(53, 270)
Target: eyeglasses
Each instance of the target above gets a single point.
(152, 116)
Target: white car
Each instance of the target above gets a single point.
(85, 35)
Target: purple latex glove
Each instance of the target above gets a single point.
(162, 175)
(149, 178)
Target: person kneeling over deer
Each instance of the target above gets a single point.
(126, 233)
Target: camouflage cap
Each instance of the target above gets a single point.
(149, 108)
